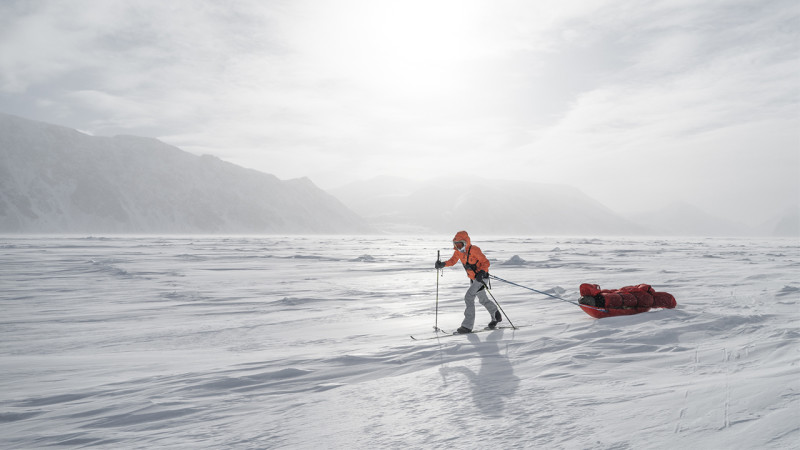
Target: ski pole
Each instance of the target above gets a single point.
(498, 304)
(436, 323)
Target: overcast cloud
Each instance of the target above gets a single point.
(637, 103)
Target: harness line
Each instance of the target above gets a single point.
(534, 290)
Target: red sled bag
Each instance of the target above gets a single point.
(628, 300)
(612, 300)
(600, 303)
(643, 299)
(589, 290)
(664, 300)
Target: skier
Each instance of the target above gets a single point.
(477, 267)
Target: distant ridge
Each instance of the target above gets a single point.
(483, 206)
(57, 180)
(529, 208)
(683, 219)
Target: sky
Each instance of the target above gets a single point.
(638, 104)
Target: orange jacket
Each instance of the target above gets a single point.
(472, 257)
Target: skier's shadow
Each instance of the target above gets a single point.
(495, 382)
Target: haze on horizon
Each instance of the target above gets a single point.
(639, 104)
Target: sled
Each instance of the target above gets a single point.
(600, 303)
(600, 313)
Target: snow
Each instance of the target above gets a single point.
(303, 342)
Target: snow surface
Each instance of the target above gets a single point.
(303, 342)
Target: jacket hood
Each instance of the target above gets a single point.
(462, 236)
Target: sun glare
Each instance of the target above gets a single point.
(410, 47)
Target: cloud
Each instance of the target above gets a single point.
(690, 73)
(544, 90)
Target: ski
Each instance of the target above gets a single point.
(450, 334)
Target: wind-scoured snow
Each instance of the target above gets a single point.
(303, 342)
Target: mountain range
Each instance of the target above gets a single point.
(58, 180)
(530, 208)
(482, 206)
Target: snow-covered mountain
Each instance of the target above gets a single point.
(58, 180)
(485, 206)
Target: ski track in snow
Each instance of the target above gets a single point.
(302, 342)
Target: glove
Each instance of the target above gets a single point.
(439, 264)
(481, 275)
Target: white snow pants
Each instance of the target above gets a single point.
(469, 299)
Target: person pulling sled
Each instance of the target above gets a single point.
(477, 267)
